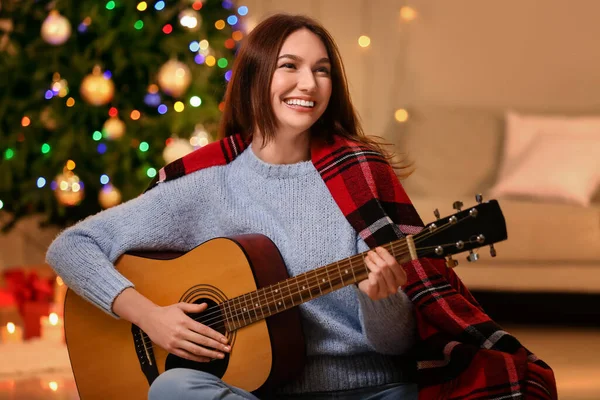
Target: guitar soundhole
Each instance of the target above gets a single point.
(213, 318)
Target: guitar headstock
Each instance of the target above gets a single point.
(467, 230)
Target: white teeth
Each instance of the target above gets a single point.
(303, 103)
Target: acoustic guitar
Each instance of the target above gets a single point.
(251, 300)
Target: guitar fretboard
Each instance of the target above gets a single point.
(254, 306)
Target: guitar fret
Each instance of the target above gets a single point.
(267, 300)
(352, 269)
(299, 291)
(282, 302)
(307, 285)
(328, 278)
(254, 306)
(342, 280)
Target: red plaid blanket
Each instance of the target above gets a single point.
(462, 353)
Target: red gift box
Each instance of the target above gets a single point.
(32, 312)
(33, 295)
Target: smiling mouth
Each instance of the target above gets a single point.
(308, 104)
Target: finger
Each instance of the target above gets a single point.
(189, 356)
(389, 280)
(192, 307)
(204, 341)
(399, 276)
(205, 331)
(199, 350)
(385, 255)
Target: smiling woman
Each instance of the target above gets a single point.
(293, 165)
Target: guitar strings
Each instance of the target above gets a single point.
(402, 246)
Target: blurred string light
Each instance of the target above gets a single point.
(237, 36)
(135, 115)
(113, 112)
(162, 109)
(232, 20)
(408, 13)
(228, 75)
(25, 121)
(167, 29)
(1, 204)
(222, 63)
(87, 21)
(101, 148)
(46, 148)
(197, 5)
(70, 102)
(139, 24)
(210, 61)
(194, 46)
(159, 5)
(195, 101)
(97, 136)
(199, 59)
(107, 74)
(41, 182)
(204, 44)
(111, 5)
(227, 4)
(401, 115)
(144, 147)
(142, 6)
(104, 179)
(243, 10)
(151, 172)
(179, 106)
(364, 41)
(9, 153)
(220, 24)
(230, 43)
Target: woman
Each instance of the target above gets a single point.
(288, 90)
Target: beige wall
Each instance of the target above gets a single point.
(524, 54)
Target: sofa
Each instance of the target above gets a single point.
(553, 247)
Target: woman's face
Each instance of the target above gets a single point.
(301, 85)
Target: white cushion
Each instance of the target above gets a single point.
(563, 168)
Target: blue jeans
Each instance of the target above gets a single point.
(183, 384)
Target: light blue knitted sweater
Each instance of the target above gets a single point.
(349, 336)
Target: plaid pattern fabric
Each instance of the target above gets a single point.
(462, 353)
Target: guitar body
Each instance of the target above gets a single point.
(112, 358)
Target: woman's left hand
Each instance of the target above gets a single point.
(385, 276)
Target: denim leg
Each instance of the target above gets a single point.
(184, 384)
(407, 391)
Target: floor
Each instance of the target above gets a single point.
(573, 353)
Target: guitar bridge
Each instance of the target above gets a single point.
(145, 354)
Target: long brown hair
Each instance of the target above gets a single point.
(247, 99)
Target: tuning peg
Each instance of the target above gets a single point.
(457, 205)
(472, 257)
(492, 250)
(436, 212)
(451, 262)
(479, 198)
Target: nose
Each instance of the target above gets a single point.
(306, 80)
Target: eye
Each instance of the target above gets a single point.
(324, 70)
(287, 65)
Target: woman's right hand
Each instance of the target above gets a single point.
(173, 330)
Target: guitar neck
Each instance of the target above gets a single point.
(267, 301)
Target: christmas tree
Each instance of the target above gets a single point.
(96, 96)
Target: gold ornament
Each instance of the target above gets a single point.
(190, 19)
(69, 189)
(174, 78)
(96, 89)
(113, 128)
(109, 196)
(176, 149)
(56, 29)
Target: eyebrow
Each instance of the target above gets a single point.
(296, 58)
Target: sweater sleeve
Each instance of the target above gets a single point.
(83, 255)
(388, 324)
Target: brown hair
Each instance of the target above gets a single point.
(247, 99)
